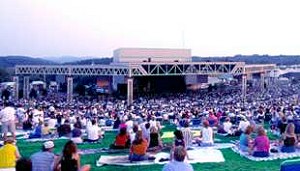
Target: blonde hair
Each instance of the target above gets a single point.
(290, 129)
(261, 131)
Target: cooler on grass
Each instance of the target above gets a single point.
(290, 165)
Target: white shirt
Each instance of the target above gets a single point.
(243, 125)
(129, 125)
(207, 135)
(52, 123)
(93, 132)
(38, 116)
(227, 127)
(7, 114)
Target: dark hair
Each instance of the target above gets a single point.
(69, 149)
(147, 125)
(23, 164)
(135, 128)
(123, 131)
(178, 134)
(93, 122)
(186, 123)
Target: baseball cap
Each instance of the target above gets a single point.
(48, 144)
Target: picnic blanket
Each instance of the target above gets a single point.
(8, 169)
(273, 156)
(46, 139)
(197, 156)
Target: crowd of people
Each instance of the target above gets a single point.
(222, 111)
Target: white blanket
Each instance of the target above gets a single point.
(206, 155)
(273, 156)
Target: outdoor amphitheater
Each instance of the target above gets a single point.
(173, 116)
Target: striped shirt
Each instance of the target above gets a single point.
(42, 161)
(187, 136)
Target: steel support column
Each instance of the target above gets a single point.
(129, 90)
(16, 88)
(262, 81)
(26, 87)
(69, 89)
(244, 88)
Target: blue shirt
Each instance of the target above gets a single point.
(177, 166)
(42, 161)
(243, 140)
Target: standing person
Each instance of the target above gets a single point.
(9, 153)
(70, 159)
(44, 160)
(7, 116)
(178, 163)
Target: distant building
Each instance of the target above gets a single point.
(130, 55)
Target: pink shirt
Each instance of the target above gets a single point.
(262, 143)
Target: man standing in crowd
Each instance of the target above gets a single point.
(44, 160)
(7, 116)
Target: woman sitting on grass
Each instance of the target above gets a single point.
(261, 144)
(207, 135)
(70, 159)
(155, 140)
(138, 148)
(122, 140)
(245, 139)
(289, 139)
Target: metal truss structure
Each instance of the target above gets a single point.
(131, 70)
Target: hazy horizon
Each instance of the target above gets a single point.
(95, 28)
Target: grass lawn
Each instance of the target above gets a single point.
(233, 162)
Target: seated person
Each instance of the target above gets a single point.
(228, 126)
(289, 139)
(207, 135)
(133, 133)
(245, 139)
(76, 134)
(178, 162)
(138, 148)
(37, 132)
(122, 140)
(212, 119)
(52, 121)
(45, 130)
(64, 129)
(261, 146)
(282, 125)
(187, 135)
(117, 123)
(27, 125)
(244, 123)
(94, 132)
(155, 140)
